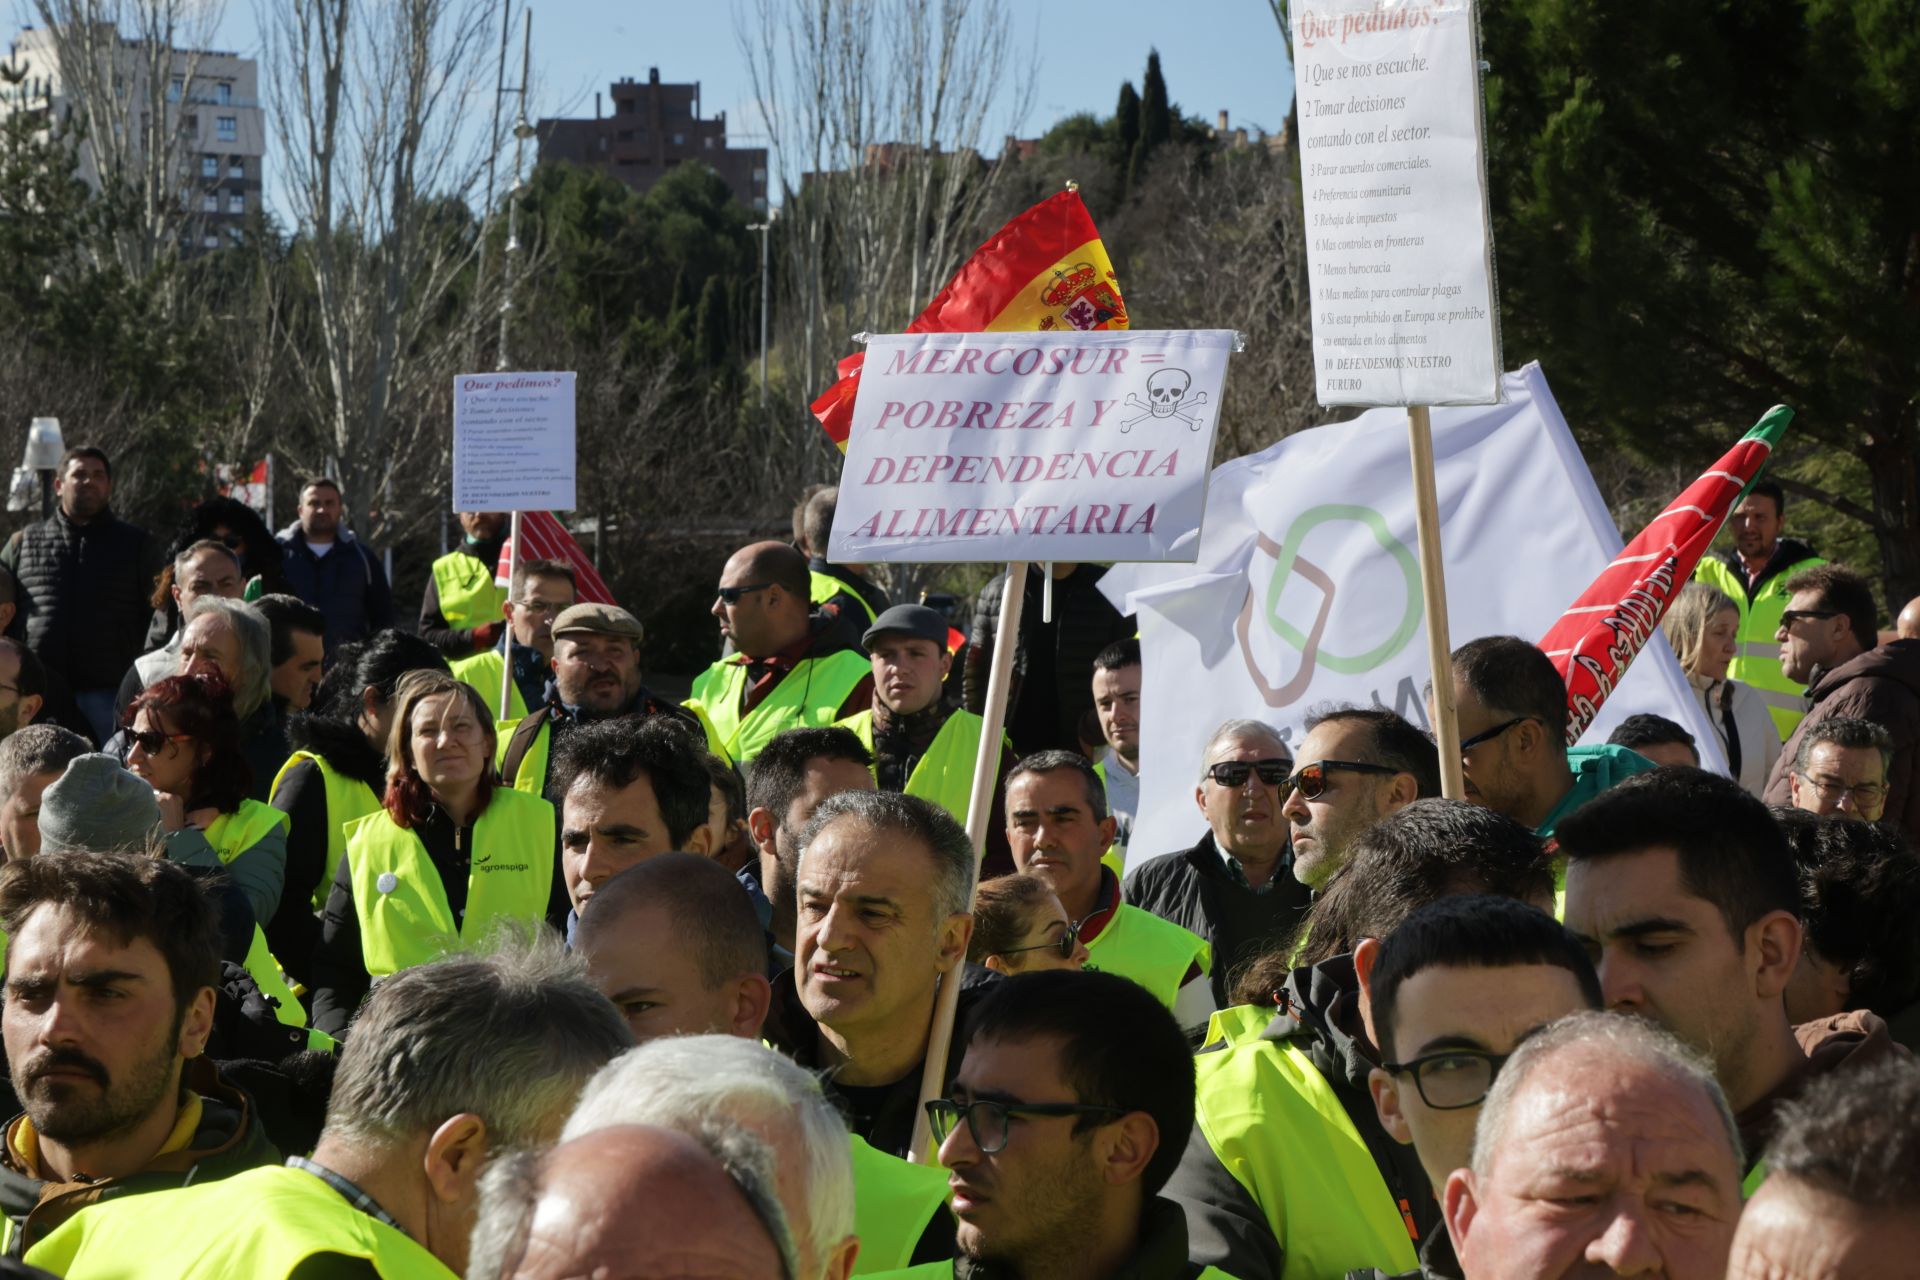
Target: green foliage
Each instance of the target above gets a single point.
(1156, 114)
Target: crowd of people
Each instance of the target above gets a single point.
(339, 949)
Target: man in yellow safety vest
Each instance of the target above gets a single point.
(460, 611)
(921, 744)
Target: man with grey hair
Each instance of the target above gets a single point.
(634, 1200)
(448, 1064)
(1236, 887)
(690, 1083)
(1842, 1198)
(203, 569)
(884, 894)
(1605, 1147)
(1841, 769)
(31, 760)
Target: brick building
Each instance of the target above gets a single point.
(652, 128)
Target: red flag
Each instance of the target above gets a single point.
(548, 539)
(1598, 637)
(1046, 269)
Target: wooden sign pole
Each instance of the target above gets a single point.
(986, 775)
(506, 663)
(1433, 589)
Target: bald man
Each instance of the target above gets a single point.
(1908, 625)
(791, 669)
(641, 1202)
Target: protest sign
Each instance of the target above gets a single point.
(1028, 446)
(513, 442)
(1393, 181)
(1307, 589)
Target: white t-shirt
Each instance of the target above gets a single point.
(320, 549)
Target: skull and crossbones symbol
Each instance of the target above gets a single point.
(1166, 396)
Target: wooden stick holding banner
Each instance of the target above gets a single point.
(1433, 592)
(986, 776)
(506, 664)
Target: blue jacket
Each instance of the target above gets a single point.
(347, 585)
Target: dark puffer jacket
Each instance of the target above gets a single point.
(1052, 687)
(84, 591)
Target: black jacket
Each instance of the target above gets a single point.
(347, 585)
(1438, 1261)
(1052, 687)
(1194, 891)
(1320, 1016)
(84, 592)
(1161, 1255)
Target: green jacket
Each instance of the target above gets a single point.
(1595, 769)
(1756, 654)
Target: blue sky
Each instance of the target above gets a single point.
(1216, 55)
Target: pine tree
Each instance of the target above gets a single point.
(1126, 127)
(1156, 115)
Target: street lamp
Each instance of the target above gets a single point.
(45, 447)
(764, 228)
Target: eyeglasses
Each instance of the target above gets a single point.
(1791, 616)
(151, 740)
(12, 688)
(540, 606)
(734, 595)
(1832, 789)
(1061, 946)
(1488, 735)
(1312, 779)
(1452, 1078)
(987, 1121)
(1233, 773)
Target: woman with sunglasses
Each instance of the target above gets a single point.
(1019, 926)
(183, 740)
(336, 774)
(450, 857)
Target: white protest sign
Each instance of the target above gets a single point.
(1030, 446)
(1393, 176)
(513, 442)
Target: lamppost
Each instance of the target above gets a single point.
(45, 445)
(764, 228)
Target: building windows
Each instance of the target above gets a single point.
(760, 176)
(209, 167)
(210, 242)
(210, 202)
(679, 139)
(227, 128)
(625, 135)
(236, 169)
(176, 88)
(236, 202)
(709, 140)
(223, 94)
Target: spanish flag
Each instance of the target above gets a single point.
(1044, 270)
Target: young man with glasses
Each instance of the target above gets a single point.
(1449, 996)
(1235, 888)
(1512, 709)
(1828, 641)
(1355, 766)
(1066, 1118)
(791, 668)
(1841, 769)
(542, 590)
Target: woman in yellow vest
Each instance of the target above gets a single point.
(1019, 926)
(337, 773)
(450, 855)
(183, 740)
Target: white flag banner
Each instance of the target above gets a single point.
(1031, 446)
(1307, 586)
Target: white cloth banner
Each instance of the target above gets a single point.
(1307, 587)
(1031, 446)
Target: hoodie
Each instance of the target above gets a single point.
(1881, 685)
(227, 1140)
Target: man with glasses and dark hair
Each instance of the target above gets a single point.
(1065, 1120)
(791, 667)
(1827, 641)
(1512, 709)
(1841, 769)
(1355, 766)
(1235, 888)
(1453, 992)
(542, 590)
(1058, 825)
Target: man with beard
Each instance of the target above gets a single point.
(460, 612)
(332, 570)
(111, 969)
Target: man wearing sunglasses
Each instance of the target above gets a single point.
(1827, 640)
(1449, 995)
(1512, 709)
(1356, 765)
(1064, 1122)
(791, 668)
(1234, 888)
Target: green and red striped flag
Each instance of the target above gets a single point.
(1598, 637)
(1045, 270)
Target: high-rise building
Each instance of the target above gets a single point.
(212, 125)
(652, 128)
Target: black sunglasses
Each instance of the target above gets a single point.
(1233, 773)
(152, 740)
(734, 595)
(1791, 616)
(1312, 779)
(1452, 1078)
(1488, 735)
(1061, 946)
(987, 1121)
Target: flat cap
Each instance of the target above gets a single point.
(599, 620)
(915, 620)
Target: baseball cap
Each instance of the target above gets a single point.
(915, 620)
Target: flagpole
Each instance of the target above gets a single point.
(506, 659)
(1433, 589)
(986, 776)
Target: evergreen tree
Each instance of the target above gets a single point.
(1126, 128)
(712, 326)
(1156, 113)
